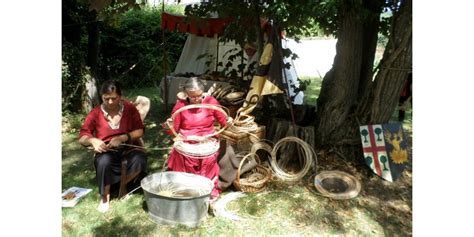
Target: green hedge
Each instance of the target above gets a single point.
(134, 40)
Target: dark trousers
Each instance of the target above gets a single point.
(108, 166)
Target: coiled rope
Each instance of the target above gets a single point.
(200, 150)
(244, 124)
(200, 147)
(262, 144)
(308, 153)
(219, 108)
(353, 185)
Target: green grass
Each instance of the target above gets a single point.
(283, 209)
(312, 92)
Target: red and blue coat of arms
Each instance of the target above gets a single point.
(385, 149)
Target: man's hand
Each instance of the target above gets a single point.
(99, 145)
(115, 142)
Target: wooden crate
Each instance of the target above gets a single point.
(243, 141)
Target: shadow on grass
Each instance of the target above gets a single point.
(118, 227)
(388, 204)
(77, 164)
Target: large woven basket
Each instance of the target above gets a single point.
(253, 181)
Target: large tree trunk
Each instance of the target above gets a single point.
(371, 29)
(93, 46)
(90, 90)
(349, 98)
(380, 102)
(339, 91)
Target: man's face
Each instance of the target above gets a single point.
(111, 100)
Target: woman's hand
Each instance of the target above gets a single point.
(178, 138)
(229, 121)
(196, 138)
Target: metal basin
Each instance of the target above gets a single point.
(188, 205)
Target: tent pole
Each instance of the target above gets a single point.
(217, 50)
(165, 63)
(282, 65)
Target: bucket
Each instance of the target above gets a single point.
(189, 203)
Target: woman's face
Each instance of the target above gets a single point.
(111, 101)
(195, 97)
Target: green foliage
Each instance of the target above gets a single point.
(72, 122)
(295, 17)
(73, 77)
(234, 58)
(132, 49)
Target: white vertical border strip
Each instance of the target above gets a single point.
(442, 117)
(30, 75)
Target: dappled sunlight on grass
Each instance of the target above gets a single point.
(296, 211)
(365, 223)
(77, 164)
(284, 208)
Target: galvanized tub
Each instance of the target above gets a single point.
(188, 209)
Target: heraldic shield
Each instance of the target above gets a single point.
(385, 149)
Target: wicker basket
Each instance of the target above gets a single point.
(250, 184)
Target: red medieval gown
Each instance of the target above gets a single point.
(197, 122)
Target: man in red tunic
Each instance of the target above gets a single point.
(105, 128)
(196, 122)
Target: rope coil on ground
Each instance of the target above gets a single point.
(308, 154)
(262, 144)
(353, 185)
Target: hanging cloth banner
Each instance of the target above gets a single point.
(385, 149)
(260, 84)
(197, 26)
(268, 78)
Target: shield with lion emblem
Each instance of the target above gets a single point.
(385, 149)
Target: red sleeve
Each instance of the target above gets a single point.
(220, 117)
(135, 119)
(88, 127)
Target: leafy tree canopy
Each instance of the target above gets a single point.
(297, 17)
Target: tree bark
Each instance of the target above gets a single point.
(93, 46)
(349, 98)
(340, 85)
(370, 36)
(380, 102)
(90, 89)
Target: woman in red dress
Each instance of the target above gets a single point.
(196, 122)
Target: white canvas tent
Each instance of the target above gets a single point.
(196, 46)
